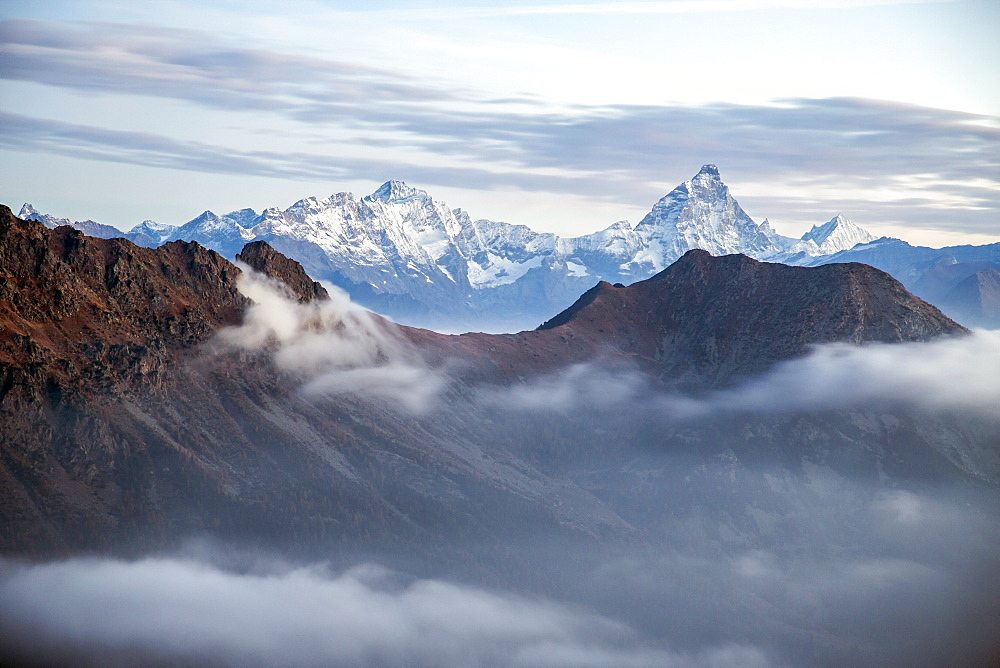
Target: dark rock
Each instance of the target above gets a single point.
(261, 257)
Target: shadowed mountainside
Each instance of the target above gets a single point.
(125, 428)
(710, 320)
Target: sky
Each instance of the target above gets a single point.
(565, 117)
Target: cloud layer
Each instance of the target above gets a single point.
(955, 374)
(763, 567)
(161, 609)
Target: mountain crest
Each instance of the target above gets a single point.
(699, 213)
(704, 315)
(709, 171)
(396, 192)
(259, 256)
(837, 234)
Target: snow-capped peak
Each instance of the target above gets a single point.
(27, 211)
(837, 234)
(157, 232)
(709, 172)
(153, 226)
(699, 213)
(396, 192)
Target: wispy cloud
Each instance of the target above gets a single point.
(946, 375)
(893, 162)
(668, 7)
(194, 66)
(334, 346)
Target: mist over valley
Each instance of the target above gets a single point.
(733, 462)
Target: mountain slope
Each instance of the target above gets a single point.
(149, 407)
(126, 424)
(931, 273)
(709, 320)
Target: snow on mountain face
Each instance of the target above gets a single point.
(399, 242)
(403, 253)
(156, 233)
(699, 213)
(836, 235)
(88, 227)
(29, 212)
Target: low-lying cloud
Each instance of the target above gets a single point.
(947, 374)
(951, 374)
(333, 346)
(163, 609)
(337, 347)
(763, 567)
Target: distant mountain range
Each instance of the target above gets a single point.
(406, 255)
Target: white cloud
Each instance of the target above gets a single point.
(961, 373)
(951, 374)
(334, 346)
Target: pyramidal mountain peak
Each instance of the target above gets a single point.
(839, 233)
(27, 211)
(700, 213)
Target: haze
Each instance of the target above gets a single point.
(564, 117)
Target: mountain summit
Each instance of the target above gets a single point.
(836, 235)
(699, 213)
(396, 192)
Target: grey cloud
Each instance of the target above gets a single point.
(765, 567)
(957, 374)
(624, 154)
(24, 133)
(172, 610)
(194, 66)
(140, 148)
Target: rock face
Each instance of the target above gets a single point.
(126, 427)
(264, 259)
(78, 305)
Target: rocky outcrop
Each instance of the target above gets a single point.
(77, 309)
(261, 257)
